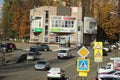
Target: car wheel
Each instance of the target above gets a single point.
(48, 79)
(58, 57)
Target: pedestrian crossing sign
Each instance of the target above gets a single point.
(83, 64)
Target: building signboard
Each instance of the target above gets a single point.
(55, 29)
(37, 30)
(57, 17)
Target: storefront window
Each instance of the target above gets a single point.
(63, 23)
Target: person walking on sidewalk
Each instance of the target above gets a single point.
(3, 55)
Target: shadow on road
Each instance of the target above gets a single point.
(2, 77)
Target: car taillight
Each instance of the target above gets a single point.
(48, 72)
(59, 73)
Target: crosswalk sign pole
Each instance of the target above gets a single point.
(83, 78)
(98, 65)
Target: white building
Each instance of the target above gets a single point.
(60, 25)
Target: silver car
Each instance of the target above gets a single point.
(42, 65)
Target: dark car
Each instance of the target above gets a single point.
(34, 49)
(43, 47)
(8, 47)
(104, 53)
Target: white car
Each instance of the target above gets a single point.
(64, 53)
(56, 73)
(115, 74)
(107, 48)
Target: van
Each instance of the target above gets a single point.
(64, 53)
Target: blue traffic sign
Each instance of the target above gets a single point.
(83, 65)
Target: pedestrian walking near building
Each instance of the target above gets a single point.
(4, 50)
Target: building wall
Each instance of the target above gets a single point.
(67, 33)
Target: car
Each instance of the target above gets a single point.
(64, 53)
(55, 73)
(107, 48)
(110, 74)
(32, 56)
(42, 65)
(43, 47)
(105, 52)
(114, 46)
(34, 49)
(8, 47)
(108, 78)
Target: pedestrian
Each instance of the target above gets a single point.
(11, 46)
(3, 59)
(4, 50)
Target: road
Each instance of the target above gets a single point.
(25, 70)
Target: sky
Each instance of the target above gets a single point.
(1, 3)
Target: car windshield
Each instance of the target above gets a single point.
(30, 54)
(111, 72)
(109, 79)
(41, 62)
(44, 45)
(32, 49)
(62, 51)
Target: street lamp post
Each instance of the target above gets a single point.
(119, 26)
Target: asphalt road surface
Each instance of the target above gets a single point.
(25, 70)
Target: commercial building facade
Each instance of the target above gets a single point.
(57, 25)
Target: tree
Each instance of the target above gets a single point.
(109, 23)
(6, 18)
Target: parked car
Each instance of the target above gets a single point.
(64, 53)
(32, 56)
(8, 47)
(55, 73)
(42, 65)
(115, 74)
(43, 47)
